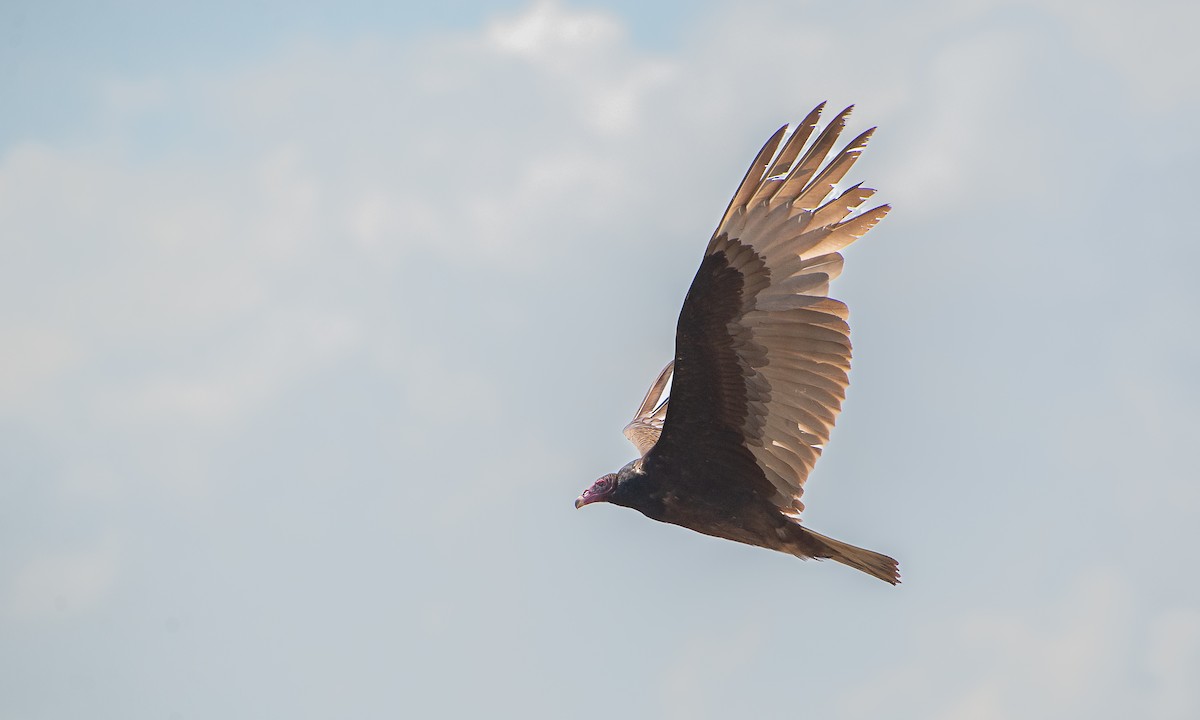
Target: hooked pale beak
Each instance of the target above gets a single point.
(598, 492)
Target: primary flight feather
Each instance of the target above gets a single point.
(761, 356)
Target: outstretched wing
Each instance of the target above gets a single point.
(647, 423)
(761, 351)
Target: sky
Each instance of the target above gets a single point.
(317, 317)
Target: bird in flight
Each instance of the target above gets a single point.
(761, 360)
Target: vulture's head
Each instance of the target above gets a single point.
(600, 491)
(606, 487)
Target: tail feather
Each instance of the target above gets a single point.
(872, 563)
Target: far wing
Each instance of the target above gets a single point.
(761, 351)
(647, 423)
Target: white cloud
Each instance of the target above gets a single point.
(701, 668)
(587, 53)
(1071, 657)
(201, 275)
(973, 140)
(554, 36)
(1151, 45)
(36, 357)
(63, 584)
(1174, 661)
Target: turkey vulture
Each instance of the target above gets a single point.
(761, 356)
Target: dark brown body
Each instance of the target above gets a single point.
(730, 511)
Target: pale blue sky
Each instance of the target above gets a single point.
(316, 318)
